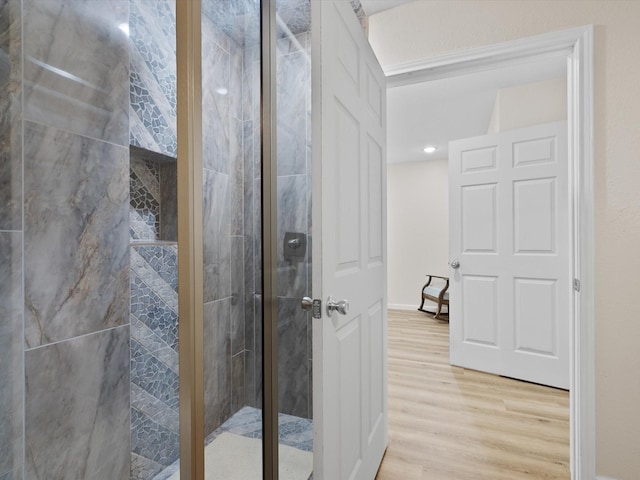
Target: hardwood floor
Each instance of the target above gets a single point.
(452, 423)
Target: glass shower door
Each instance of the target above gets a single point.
(231, 213)
(293, 192)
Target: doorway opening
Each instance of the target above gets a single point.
(575, 47)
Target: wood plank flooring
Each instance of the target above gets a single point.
(451, 423)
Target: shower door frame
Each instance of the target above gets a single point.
(190, 238)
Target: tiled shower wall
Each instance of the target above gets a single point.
(64, 275)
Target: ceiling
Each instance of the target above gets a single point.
(436, 112)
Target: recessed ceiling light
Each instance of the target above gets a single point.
(429, 149)
(124, 27)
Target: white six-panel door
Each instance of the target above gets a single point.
(510, 232)
(349, 247)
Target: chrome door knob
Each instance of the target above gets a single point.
(306, 303)
(455, 264)
(341, 306)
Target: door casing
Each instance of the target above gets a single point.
(576, 45)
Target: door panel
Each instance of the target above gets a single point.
(534, 216)
(509, 229)
(479, 218)
(349, 209)
(535, 315)
(480, 312)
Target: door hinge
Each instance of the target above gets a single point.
(576, 284)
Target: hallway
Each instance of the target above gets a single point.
(452, 424)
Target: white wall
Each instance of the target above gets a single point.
(427, 28)
(418, 228)
(530, 104)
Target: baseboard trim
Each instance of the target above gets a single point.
(600, 477)
(401, 306)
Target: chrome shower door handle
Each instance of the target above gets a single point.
(341, 306)
(306, 303)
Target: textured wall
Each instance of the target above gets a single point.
(423, 29)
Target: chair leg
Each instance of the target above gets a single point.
(421, 305)
(438, 311)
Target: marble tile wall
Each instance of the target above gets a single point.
(11, 234)
(223, 222)
(76, 235)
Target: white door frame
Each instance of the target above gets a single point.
(577, 45)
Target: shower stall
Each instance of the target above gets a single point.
(89, 239)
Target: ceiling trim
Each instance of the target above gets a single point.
(462, 62)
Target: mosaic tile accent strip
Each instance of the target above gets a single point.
(164, 260)
(154, 359)
(152, 91)
(145, 208)
(151, 309)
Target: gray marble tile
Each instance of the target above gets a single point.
(169, 201)
(10, 116)
(258, 349)
(76, 235)
(250, 96)
(235, 81)
(292, 217)
(237, 19)
(11, 351)
(217, 363)
(249, 289)
(248, 176)
(293, 82)
(257, 237)
(236, 178)
(12, 475)
(256, 118)
(237, 382)
(76, 71)
(209, 25)
(77, 395)
(296, 15)
(310, 389)
(215, 104)
(216, 236)
(249, 379)
(293, 366)
(237, 295)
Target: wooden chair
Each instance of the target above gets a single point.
(436, 294)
